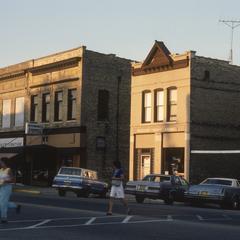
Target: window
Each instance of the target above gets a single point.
(147, 106)
(172, 105)
(19, 112)
(6, 113)
(159, 103)
(34, 108)
(72, 104)
(103, 105)
(46, 107)
(58, 107)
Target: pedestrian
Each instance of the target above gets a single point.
(6, 181)
(117, 191)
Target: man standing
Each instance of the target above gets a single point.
(117, 191)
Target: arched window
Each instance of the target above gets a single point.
(146, 106)
(172, 104)
(158, 105)
(103, 105)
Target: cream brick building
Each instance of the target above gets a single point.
(184, 116)
(80, 97)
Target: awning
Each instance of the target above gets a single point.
(7, 155)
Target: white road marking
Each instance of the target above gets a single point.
(126, 219)
(199, 217)
(90, 221)
(62, 219)
(40, 224)
(81, 225)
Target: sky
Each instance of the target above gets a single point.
(128, 28)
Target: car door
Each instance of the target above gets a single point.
(181, 185)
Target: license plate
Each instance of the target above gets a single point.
(204, 193)
(67, 183)
(141, 188)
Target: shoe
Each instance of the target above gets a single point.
(129, 211)
(4, 221)
(18, 209)
(109, 214)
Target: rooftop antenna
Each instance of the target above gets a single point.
(232, 24)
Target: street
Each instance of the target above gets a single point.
(48, 216)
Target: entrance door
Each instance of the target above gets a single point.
(145, 165)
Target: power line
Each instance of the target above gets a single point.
(232, 24)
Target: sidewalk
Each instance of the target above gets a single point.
(20, 188)
(34, 189)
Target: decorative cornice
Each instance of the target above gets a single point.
(160, 68)
(60, 64)
(12, 75)
(55, 82)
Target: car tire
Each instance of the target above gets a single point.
(139, 199)
(234, 204)
(103, 195)
(169, 199)
(61, 192)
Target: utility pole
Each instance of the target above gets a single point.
(232, 24)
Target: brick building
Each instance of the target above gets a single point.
(184, 116)
(81, 98)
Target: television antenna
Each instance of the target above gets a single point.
(232, 24)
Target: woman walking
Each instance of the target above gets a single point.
(117, 191)
(6, 181)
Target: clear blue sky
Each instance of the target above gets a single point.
(31, 29)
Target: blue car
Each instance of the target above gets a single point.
(79, 180)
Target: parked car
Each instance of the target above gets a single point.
(79, 180)
(223, 191)
(156, 186)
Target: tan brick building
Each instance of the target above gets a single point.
(80, 97)
(184, 116)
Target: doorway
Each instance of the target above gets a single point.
(145, 165)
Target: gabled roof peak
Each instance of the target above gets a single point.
(158, 55)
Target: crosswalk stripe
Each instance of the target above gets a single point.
(126, 219)
(90, 221)
(40, 224)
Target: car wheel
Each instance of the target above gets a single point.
(103, 195)
(235, 203)
(139, 199)
(169, 199)
(61, 193)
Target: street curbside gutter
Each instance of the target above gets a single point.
(30, 191)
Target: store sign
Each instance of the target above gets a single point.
(11, 142)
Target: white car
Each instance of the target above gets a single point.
(224, 191)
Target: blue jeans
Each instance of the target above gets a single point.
(5, 192)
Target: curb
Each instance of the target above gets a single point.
(27, 191)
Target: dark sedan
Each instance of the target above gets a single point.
(156, 186)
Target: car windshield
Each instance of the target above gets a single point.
(217, 181)
(153, 178)
(70, 171)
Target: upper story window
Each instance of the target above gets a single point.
(19, 112)
(46, 107)
(34, 108)
(58, 106)
(103, 105)
(172, 105)
(159, 105)
(72, 104)
(6, 113)
(146, 106)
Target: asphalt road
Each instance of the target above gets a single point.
(47, 216)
